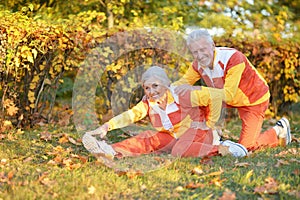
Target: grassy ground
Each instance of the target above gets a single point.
(50, 163)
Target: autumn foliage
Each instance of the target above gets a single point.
(35, 55)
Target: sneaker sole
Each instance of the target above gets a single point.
(288, 134)
(90, 143)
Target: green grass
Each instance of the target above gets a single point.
(32, 168)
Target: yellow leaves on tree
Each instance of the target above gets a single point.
(27, 53)
(290, 94)
(31, 98)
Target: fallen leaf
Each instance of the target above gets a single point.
(11, 136)
(261, 164)
(23, 183)
(143, 187)
(296, 172)
(91, 190)
(73, 141)
(224, 150)
(43, 179)
(213, 173)
(197, 171)
(52, 162)
(64, 139)
(67, 161)
(293, 151)
(206, 160)
(4, 161)
(295, 160)
(132, 174)
(58, 159)
(43, 175)
(46, 181)
(2, 136)
(65, 116)
(57, 150)
(243, 164)
(227, 195)
(194, 185)
(246, 178)
(120, 172)
(10, 175)
(270, 187)
(158, 159)
(6, 178)
(45, 135)
(7, 123)
(19, 132)
(41, 123)
(217, 181)
(83, 159)
(281, 162)
(295, 193)
(12, 110)
(179, 189)
(28, 159)
(294, 139)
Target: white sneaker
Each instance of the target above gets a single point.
(97, 147)
(285, 132)
(236, 149)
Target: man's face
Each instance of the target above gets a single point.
(203, 52)
(154, 90)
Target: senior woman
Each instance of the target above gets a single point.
(184, 124)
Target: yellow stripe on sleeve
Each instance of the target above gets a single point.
(190, 77)
(232, 81)
(126, 118)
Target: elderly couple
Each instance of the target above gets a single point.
(184, 115)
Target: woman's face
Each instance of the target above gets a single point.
(203, 52)
(154, 90)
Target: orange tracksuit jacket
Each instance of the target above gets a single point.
(242, 84)
(173, 133)
(181, 111)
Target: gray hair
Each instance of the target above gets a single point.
(158, 73)
(198, 34)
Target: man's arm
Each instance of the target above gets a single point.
(186, 81)
(235, 69)
(190, 77)
(210, 97)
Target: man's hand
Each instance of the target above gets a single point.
(182, 89)
(101, 131)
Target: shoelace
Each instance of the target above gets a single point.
(279, 124)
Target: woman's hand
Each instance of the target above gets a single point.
(101, 131)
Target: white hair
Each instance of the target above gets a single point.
(198, 34)
(158, 73)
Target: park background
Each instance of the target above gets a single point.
(43, 45)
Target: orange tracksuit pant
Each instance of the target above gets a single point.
(193, 143)
(252, 119)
